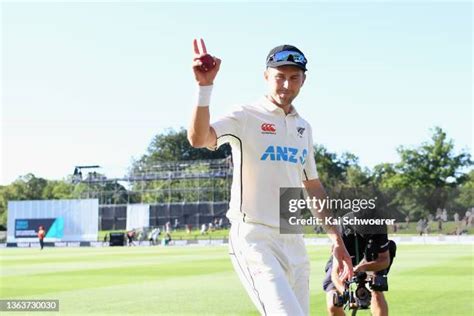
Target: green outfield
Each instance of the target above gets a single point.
(425, 280)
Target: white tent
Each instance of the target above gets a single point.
(138, 215)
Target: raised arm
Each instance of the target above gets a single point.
(200, 133)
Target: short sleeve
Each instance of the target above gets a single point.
(231, 125)
(381, 242)
(309, 170)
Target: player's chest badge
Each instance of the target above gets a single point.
(268, 128)
(300, 131)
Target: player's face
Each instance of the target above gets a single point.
(284, 83)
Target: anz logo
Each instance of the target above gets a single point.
(283, 153)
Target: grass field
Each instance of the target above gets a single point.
(424, 280)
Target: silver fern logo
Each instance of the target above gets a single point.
(300, 131)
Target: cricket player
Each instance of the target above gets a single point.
(272, 147)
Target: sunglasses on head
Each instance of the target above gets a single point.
(288, 55)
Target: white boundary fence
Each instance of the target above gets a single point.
(401, 240)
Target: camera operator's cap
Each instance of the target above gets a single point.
(286, 55)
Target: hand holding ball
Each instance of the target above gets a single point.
(205, 66)
(208, 63)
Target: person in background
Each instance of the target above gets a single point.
(41, 234)
(439, 218)
(221, 223)
(154, 235)
(176, 224)
(445, 215)
(372, 252)
(188, 228)
(468, 218)
(203, 229)
(167, 239)
(130, 236)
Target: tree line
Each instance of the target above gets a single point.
(426, 177)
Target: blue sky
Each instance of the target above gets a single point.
(92, 83)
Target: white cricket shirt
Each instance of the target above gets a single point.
(270, 150)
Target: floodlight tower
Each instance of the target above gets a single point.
(77, 175)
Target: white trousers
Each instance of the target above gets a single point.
(274, 268)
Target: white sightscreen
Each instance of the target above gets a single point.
(66, 220)
(138, 215)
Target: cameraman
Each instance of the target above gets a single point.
(371, 252)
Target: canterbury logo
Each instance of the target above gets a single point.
(268, 128)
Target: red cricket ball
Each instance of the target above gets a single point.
(207, 62)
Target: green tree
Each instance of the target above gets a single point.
(58, 190)
(434, 164)
(174, 146)
(27, 187)
(465, 198)
(336, 172)
(425, 177)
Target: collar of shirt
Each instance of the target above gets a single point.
(271, 107)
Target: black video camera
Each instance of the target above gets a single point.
(356, 295)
